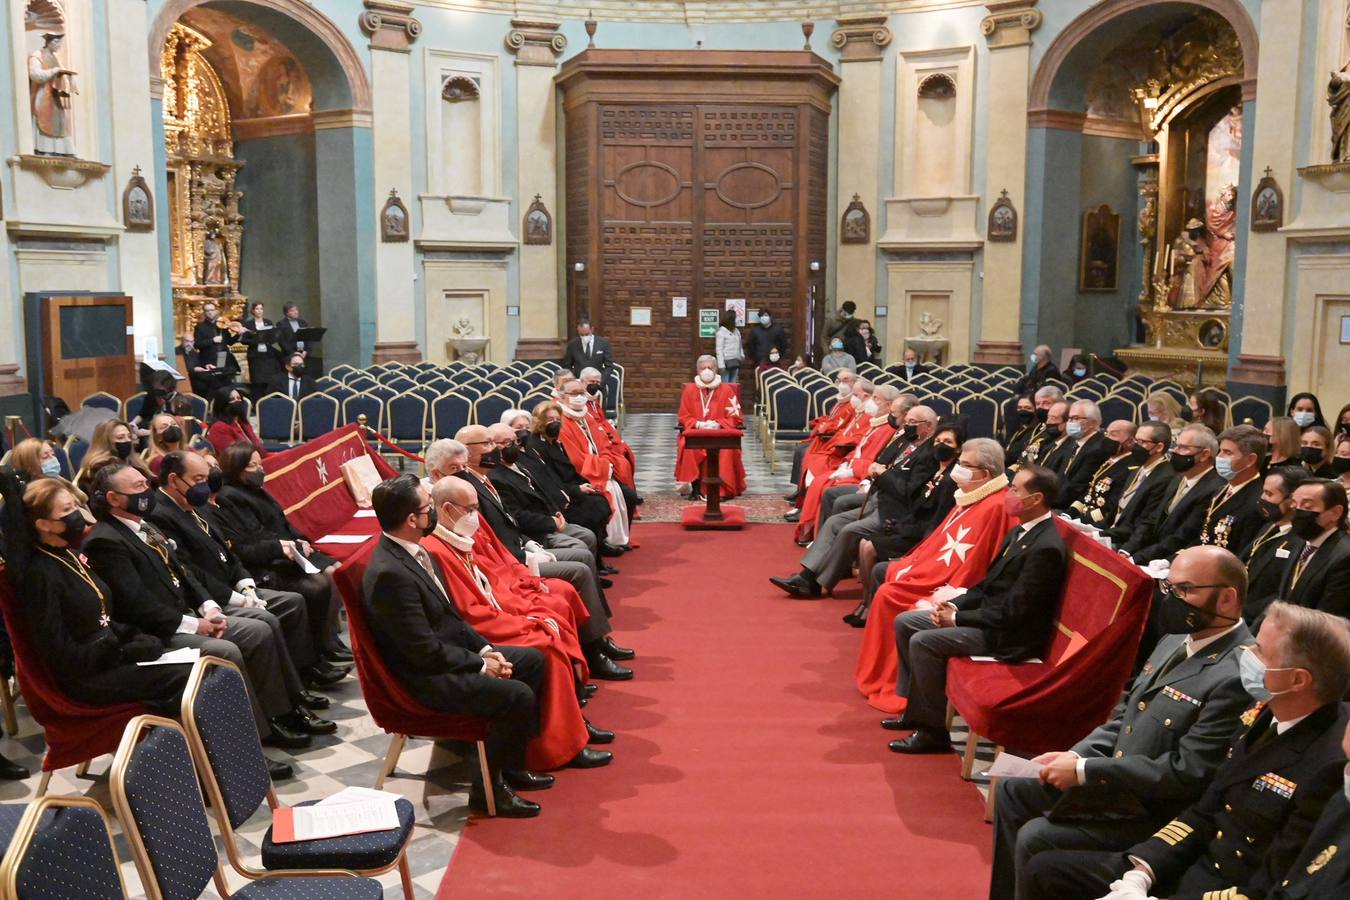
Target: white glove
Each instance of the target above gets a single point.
(1133, 885)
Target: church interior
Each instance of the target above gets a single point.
(902, 261)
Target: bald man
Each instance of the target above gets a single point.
(539, 514)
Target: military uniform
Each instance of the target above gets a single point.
(1161, 745)
(1099, 504)
(1055, 456)
(1268, 559)
(1323, 868)
(1084, 461)
(1247, 828)
(1233, 519)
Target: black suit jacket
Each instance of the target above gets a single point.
(264, 351)
(204, 340)
(896, 488)
(254, 525)
(145, 592)
(1323, 868)
(1084, 461)
(203, 553)
(1100, 502)
(1164, 533)
(1325, 581)
(588, 510)
(1233, 523)
(497, 516)
(286, 337)
(522, 497)
(282, 385)
(760, 340)
(1015, 602)
(1268, 561)
(601, 356)
(1055, 456)
(418, 633)
(1158, 483)
(899, 370)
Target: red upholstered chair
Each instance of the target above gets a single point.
(75, 732)
(1040, 706)
(392, 708)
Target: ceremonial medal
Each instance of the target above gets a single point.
(1320, 861)
(1249, 717)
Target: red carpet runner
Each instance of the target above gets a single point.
(746, 763)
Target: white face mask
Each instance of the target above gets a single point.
(1303, 419)
(911, 363)
(577, 401)
(870, 407)
(961, 475)
(773, 356)
(466, 525)
(706, 375)
(765, 321)
(856, 401)
(844, 391)
(865, 332)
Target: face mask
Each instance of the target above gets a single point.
(254, 477)
(911, 433)
(552, 430)
(171, 435)
(1111, 447)
(846, 315)
(706, 376)
(844, 391)
(467, 525)
(140, 504)
(510, 453)
(893, 422)
(856, 401)
(430, 527)
(1075, 430)
(1012, 504)
(490, 459)
(297, 371)
(1033, 360)
(944, 453)
(773, 356)
(911, 363)
(1051, 432)
(765, 321)
(962, 475)
(51, 467)
(1178, 617)
(122, 449)
(1271, 512)
(1253, 674)
(1186, 414)
(1304, 419)
(1080, 373)
(215, 480)
(1224, 466)
(1153, 418)
(237, 409)
(592, 389)
(1340, 465)
(73, 527)
(1306, 525)
(871, 408)
(1026, 416)
(577, 401)
(1311, 455)
(1042, 415)
(836, 345)
(1182, 463)
(198, 494)
(522, 436)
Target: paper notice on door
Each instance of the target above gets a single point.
(313, 823)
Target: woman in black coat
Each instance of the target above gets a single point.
(585, 506)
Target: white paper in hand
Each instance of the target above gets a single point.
(187, 655)
(1008, 766)
(305, 565)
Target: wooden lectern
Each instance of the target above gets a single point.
(714, 515)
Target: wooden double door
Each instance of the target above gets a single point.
(686, 189)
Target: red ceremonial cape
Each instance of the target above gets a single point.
(590, 464)
(958, 552)
(724, 408)
(859, 459)
(840, 414)
(562, 730)
(825, 456)
(512, 579)
(615, 449)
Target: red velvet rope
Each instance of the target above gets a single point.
(392, 446)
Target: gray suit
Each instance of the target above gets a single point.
(835, 549)
(1161, 746)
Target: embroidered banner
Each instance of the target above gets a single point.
(307, 480)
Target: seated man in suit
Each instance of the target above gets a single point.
(1320, 575)
(538, 514)
(439, 660)
(295, 383)
(152, 590)
(1259, 807)
(1234, 516)
(588, 349)
(1057, 447)
(909, 367)
(1161, 745)
(1176, 521)
(851, 497)
(1009, 615)
(1091, 449)
(1271, 554)
(1099, 502)
(1049, 437)
(547, 464)
(1154, 480)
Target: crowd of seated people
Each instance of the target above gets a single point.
(1222, 771)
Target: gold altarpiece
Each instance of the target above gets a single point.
(1190, 108)
(206, 228)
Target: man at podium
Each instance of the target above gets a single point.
(709, 404)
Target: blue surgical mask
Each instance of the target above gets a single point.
(1253, 671)
(836, 345)
(1224, 466)
(1079, 373)
(1347, 782)
(51, 467)
(1303, 419)
(1074, 430)
(1033, 359)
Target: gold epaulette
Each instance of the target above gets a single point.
(1174, 832)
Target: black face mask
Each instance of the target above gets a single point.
(1182, 463)
(1311, 455)
(552, 430)
(1186, 414)
(1178, 617)
(431, 523)
(297, 371)
(510, 453)
(1042, 415)
(254, 478)
(1026, 416)
(893, 422)
(73, 527)
(215, 480)
(911, 433)
(1051, 432)
(238, 409)
(198, 494)
(1340, 465)
(522, 436)
(592, 389)
(1305, 524)
(490, 459)
(122, 449)
(140, 504)
(171, 435)
(1110, 446)
(1271, 512)
(943, 453)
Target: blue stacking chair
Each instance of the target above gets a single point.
(406, 416)
(76, 448)
(496, 377)
(823, 397)
(548, 367)
(528, 403)
(427, 393)
(614, 392)
(449, 414)
(276, 421)
(940, 405)
(489, 407)
(1251, 410)
(60, 847)
(341, 371)
(66, 472)
(341, 393)
(318, 416)
(788, 418)
(361, 383)
(132, 405)
(160, 806)
(535, 377)
(324, 382)
(383, 392)
(1114, 407)
(518, 366)
(402, 384)
(427, 376)
(103, 400)
(981, 416)
(367, 405)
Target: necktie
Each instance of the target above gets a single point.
(295, 388)
(425, 561)
(588, 346)
(1182, 488)
(1132, 487)
(1303, 557)
(1170, 663)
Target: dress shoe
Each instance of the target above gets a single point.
(598, 735)
(590, 759)
(283, 737)
(614, 651)
(604, 582)
(792, 515)
(12, 771)
(792, 497)
(925, 740)
(898, 724)
(315, 701)
(588, 690)
(796, 586)
(607, 570)
(279, 771)
(305, 722)
(610, 550)
(338, 656)
(606, 669)
(857, 618)
(323, 676)
(525, 780)
(697, 498)
(509, 806)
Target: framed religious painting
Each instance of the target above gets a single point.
(538, 223)
(1267, 204)
(1099, 257)
(394, 220)
(856, 227)
(138, 209)
(1002, 220)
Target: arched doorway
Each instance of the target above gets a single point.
(1136, 118)
(263, 102)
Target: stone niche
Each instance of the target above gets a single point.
(472, 289)
(939, 286)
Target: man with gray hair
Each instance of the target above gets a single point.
(1099, 502)
(1090, 450)
(851, 496)
(1041, 370)
(443, 457)
(1176, 522)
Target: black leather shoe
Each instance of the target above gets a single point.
(604, 582)
(525, 780)
(606, 669)
(792, 515)
(610, 550)
(339, 655)
(284, 737)
(796, 586)
(305, 722)
(323, 676)
(607, 570)
(598, 735)
(314, 701)
(590, 759)
(925, 740)
(792, 497)
(279, 771)
(588, 690)
(614, 651)
(857, 618)
(898, 724)
(697, 498)
(12, 771)
(509, 806)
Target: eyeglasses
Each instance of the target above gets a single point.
(475, 443)
(1181, 590)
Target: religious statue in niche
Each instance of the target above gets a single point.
(50, 87)
(538, 223)
(1267, 204)
(1200, 261)
(1002, 220)
(1338, 96)
(213, 259)
(138, 210)
(394, 219)
(857, 225)
(1100, 254)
